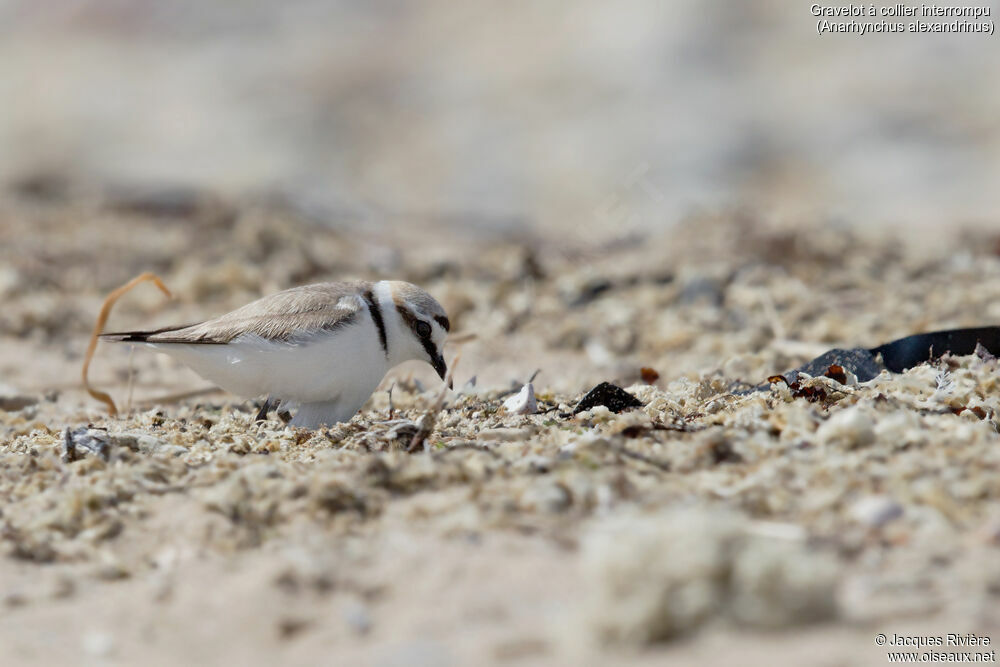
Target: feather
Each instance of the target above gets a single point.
(280, 317)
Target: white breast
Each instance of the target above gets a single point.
(345, 364)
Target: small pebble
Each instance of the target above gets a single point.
(523, 402)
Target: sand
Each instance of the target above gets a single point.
(706, 525)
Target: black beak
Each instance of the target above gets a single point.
(441, 368)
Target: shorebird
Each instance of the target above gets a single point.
(320, 348)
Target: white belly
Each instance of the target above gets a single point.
(345, 365)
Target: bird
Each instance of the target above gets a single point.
(320, 348)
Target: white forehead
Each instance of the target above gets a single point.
(410, 296)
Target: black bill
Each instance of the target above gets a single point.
(441, 368)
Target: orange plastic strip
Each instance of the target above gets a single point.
(102, 318)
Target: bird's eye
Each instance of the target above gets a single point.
(423, 329)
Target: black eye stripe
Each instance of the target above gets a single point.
(415, 324)
(443, 321)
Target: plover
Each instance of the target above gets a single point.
(322, 348)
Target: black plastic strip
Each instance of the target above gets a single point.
(898, 355)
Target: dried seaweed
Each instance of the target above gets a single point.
(611, 396)
(102, 318)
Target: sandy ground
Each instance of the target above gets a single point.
(707, 525)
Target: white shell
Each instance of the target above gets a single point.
(523, 402)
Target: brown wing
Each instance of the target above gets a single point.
(278, 317)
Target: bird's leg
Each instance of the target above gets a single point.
(264, 409)
(320, 413)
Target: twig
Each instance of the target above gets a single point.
(102, 318)
(429, 419)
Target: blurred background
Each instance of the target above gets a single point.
(602, 118)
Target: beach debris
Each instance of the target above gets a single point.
(811, 394)
(944, 383)
(861, 365)
(613, 397)
(93, 441)
(844, 366)
(102, 318)
(648, 375)
(425, 425)
(401, 431)
(100, 443)
(523, 402)
(836, 372)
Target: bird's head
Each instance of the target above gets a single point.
(424, 325)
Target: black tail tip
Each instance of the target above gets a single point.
(124, 337)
